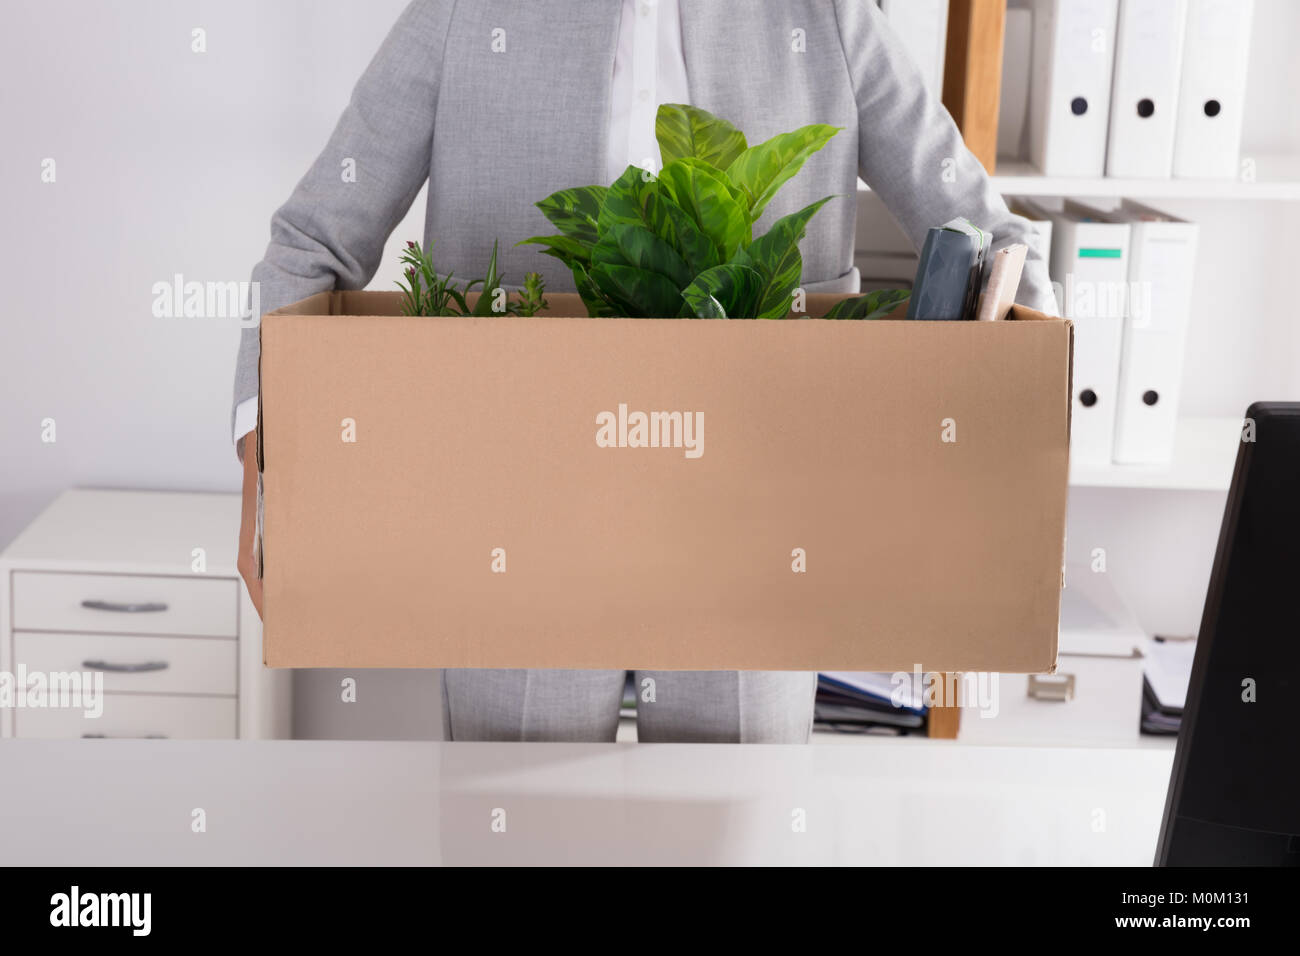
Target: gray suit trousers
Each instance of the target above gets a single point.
(672, 706)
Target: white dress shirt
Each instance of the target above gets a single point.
(649, 69)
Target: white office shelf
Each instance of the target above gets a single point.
(1277, 177)
(1205, 451)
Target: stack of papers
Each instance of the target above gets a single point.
(869, 702)
(1166, 673)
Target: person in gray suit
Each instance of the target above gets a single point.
(497, 104)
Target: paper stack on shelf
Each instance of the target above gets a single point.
(865, 702)
(1166, 675)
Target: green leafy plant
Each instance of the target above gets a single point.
(681, 244)
(428, 293)
(873, 305)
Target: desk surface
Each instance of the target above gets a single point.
(889, 802)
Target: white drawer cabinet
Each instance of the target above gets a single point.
(172, 717)
(138, 589)
(126, 604)
(138, 665)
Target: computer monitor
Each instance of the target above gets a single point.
(1234, 794)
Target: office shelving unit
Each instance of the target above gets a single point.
(1158, 524)
(1276, 177)
(1205, 450)
(1243, 343)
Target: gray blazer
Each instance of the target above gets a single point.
(495, 132)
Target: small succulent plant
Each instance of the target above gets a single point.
(429, 293)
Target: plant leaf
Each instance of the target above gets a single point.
(633, 245)
(873, 305)
(491, 282)
(574, 211)
(532, 299)
(775, 257)
(706, 307)
(761, 170)
(671, 223)
(636, 292)
(731, 287)
(715, 206)
(598, 306)
(690, 132)
(565, 248)
(626, 198)
(455, 296)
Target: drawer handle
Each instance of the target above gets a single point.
(1058, 687)
(125, 668)
(123, 736)
(147, 606)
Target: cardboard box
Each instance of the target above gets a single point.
(834, 495)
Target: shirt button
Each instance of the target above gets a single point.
(645, 7)
(643, 95)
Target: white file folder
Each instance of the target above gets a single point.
(1090, 275)
(1162, 262)
(1040, 236)
(1144, 92)
(1069, 103)
(1013, 103)
(1211, 101)
(922, 26)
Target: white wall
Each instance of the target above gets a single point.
(166, 161)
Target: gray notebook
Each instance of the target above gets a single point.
(950, 272)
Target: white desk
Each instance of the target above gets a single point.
(891, 802)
